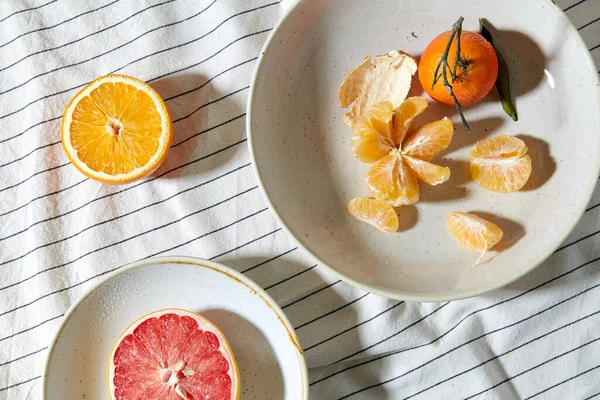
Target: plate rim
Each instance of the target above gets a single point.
(404, 295)
(195, 262)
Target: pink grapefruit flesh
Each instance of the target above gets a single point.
(172, 355)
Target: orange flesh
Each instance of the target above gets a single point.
(116, 129)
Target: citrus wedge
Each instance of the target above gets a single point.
(391, 181)
(175, 355)
(474, 232)
(116, 129)
(429, 140)
(374, 212)
(500, 164)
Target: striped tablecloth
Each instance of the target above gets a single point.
(60, 233)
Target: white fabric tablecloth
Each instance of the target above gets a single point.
(60, 233)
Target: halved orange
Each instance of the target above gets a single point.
(500, 164)
(474, 232)
(374, 212)
(116, 129)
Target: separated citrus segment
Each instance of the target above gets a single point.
(380, 117)
(390, 180)
(474, 232)
(172, 354)
(116, 129)
(375, 212)
(368, 145)
(500, 164)
(429, 140)
(427, 172)
(405, 115)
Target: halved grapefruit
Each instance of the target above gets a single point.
(172, 354)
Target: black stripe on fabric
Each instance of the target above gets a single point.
(210, 129)
(22, 357)
(54, 26)
(211, 79)
(269, 260)
(141, 58)
(291, 277)
(152, 255)
(124, 215)
(354, 327)
(86, 179)
(42, 196)
(210, 233)
(539, 365)
(20, 383)
(332, 311)
(170, 98)
(573, 5)
(82, 85)
(310, 294)
(198, 38)
(106, 52)
(468, 316)
(208, 104)
(592, 207)
(246, 244)
(121, 242)
(124, 190)
(82, 62)
(476, 366)
(32, 176)
(592, 396)
(118, 243)
(208, 58)
(576, 241)
(27, 9)
(595, 47)
(32, 151)
(89, 35)
(31, 328)
(588, 24)
(31, 127)
(393, 335)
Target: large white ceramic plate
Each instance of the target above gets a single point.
(302, 153)
(270, 361)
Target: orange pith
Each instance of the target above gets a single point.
(474, 82)
(500, 164)
(116, 129)
(399, 160)
(474, 232)
(374, 212)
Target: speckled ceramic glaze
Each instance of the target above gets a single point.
(270, 361)
(302, 154)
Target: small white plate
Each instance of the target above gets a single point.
(302, 155)
(270, 360)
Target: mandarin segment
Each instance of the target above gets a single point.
(374, 212)
(380, 116)
(474, 232)
(367, 144)
(410, 109)
(390, 180)
(427, 172)
(429, 140)
(500, 164)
